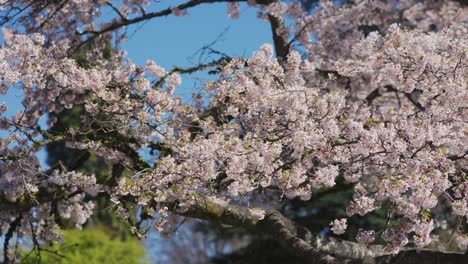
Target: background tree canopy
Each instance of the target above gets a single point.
(90, 245)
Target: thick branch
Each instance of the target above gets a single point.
(281, 44)
(302, 242)
(455, 158)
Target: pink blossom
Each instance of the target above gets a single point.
(365, 236)
(338, 226)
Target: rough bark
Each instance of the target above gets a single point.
(301, 242)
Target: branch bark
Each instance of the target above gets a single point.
(9, 234)
(388, 88)
(280, 43)
(300, 241)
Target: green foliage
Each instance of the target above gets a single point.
(90, 246)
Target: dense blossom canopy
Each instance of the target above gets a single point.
(374, 93)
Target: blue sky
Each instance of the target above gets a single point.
(173, 40)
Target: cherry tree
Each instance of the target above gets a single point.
(371, 93)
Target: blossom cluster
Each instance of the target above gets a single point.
(51, 82)
(273, 129)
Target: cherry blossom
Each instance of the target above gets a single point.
(339, 226)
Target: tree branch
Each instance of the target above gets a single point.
(220, 62)
(11, 229)
(455, 158)
(280, 43)
(298, 239)
(388, 88)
